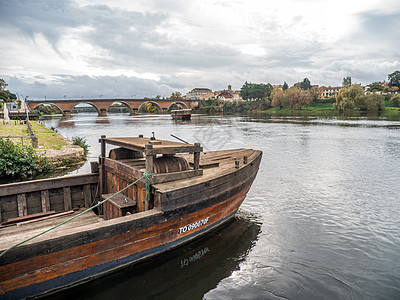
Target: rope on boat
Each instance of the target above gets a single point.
(145, 176)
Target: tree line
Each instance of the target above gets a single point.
(303, 93)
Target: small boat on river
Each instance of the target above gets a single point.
(150, 195)
(181, 114)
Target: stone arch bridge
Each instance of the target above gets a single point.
(101, 105)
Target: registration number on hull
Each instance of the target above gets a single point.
(194, 225)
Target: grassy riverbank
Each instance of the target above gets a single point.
(48, 139)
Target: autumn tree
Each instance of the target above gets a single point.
(299, 98)
(315, 92)
(277, 98)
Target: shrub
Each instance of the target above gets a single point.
(20, 161)
(81, 141)
(396, 100)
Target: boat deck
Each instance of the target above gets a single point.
(15, 233)
(214, 164)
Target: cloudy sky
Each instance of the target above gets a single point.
(125, 48)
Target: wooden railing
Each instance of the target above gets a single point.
(39, 196)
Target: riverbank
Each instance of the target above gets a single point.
(321, 107)
(60, 151)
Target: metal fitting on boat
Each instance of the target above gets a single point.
(236, 163)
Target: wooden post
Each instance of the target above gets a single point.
(196, 158)
(22, 208)
(67, 198)
(87, 195)
(102, 177)
(103, 146)
(149, 160)
(44, 195)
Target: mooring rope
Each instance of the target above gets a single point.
(145, 176)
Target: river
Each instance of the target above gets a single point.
(321, 221)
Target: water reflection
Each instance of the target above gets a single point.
(187, 272)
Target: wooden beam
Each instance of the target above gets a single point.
(44, 195)
(166, 177)
(46, 184)
(22, 208)
(67, 198)
(173, 150)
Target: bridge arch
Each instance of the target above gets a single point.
(51, 104)
(130, 109)
(178, 103)
(159, 108)
(100, 112)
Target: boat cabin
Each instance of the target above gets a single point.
(181, 114)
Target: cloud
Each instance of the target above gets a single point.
(157, 46)
(88, 87)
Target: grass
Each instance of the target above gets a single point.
(48, 139)
(10, 129)
(13, 128)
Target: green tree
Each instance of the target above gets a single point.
(345, 100)
(176, 96)
(255, 90)
(285, 86)
(394, 79)
(6, 95)
(346, 82)
(3, 84)
(371, 102)
(305, 84)
(375, 86)
(245, 90)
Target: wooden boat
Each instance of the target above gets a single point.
(189, 194)
(181, 114)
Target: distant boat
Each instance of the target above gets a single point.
(181, 114)
(157, 195)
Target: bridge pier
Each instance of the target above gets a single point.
(67, 113)
(133, 112)
(164, 110)
(102, 112)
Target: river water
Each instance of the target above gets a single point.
(321, 221)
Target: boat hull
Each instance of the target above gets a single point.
(79, 256)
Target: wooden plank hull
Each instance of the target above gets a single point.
(77, 255)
